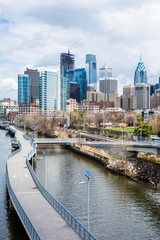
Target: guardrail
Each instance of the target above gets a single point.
(59, 140)
(70, 219)
(23, 216)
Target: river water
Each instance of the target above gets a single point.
(10, 225)
(120, 209)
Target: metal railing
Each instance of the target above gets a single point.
(70, 219)
(59, 140)
(22, 214)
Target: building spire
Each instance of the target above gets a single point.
(140, 57)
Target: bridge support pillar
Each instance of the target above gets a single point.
(158, 152)
(131, 154)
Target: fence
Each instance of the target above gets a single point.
(71, 220)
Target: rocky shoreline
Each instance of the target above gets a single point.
(136, 169)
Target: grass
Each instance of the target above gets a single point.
(129, 129)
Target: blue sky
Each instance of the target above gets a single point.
(33, 33)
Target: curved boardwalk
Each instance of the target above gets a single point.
(46, 220)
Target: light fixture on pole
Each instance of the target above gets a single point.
(88, 174)
(122, 134)
(141, 133)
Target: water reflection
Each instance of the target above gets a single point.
(119, 207)
(10, 225)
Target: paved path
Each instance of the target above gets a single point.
(48, 223)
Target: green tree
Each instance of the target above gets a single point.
(139, 119)
(146, 130)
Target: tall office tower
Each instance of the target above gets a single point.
(155, 99)
(48, 91)
(80, 78)
(24, 96)
(90, 88)
(108, 85)
(140, 73)
(153, 89)
(105, 72)
(34, 78)
(142, 94)
(128, 90)
(67, 66)
(75, 91)
(158, 85)
(91, 69)
(63, 92)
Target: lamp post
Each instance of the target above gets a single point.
(103, 121)
(88, 174)
(122, 134)
(141, 133)
(107, 134)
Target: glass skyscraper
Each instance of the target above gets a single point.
(140, 73)
(64, 87)
(48, 90)
(80, 78)
(67, 65)
(91, 69)
(34, 78)
(24, 96)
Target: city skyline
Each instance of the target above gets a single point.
(34, 35)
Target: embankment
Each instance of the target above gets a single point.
(136, 169)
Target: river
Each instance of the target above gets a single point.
(10, 225)
(120, 209)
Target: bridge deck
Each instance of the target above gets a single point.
(48, 223)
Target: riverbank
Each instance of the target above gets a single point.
(137, 169)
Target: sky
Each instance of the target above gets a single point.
(34, 33)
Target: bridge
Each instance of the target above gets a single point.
(42, 216)
(126, 146)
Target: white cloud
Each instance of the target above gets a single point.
(115, 30)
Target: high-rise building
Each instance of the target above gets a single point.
(155, 99)
(126, 103)
(24, 95)
(105, 72)
(34, 79)
(91, 69)
(67, 66)
(108, 85)
(142, 94)
(63, 86)
(128, 90)
(48, 91)
(75, 91)
(140, 73)
(80, 78)
(90, 88)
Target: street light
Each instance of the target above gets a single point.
(141, 133)
(107, 134)
(103, 121)
(88, 174)
(122, 134)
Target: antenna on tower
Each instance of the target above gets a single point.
(140, 57)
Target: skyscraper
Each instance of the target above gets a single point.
(91, 69)
(80, 78)
(142, 93)
(140, 73)
(108, 85)
(105, 72)
(34, 78)
(75, 91)
(67, 65)
(48, 90)
(63, 86)
(24, 96)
